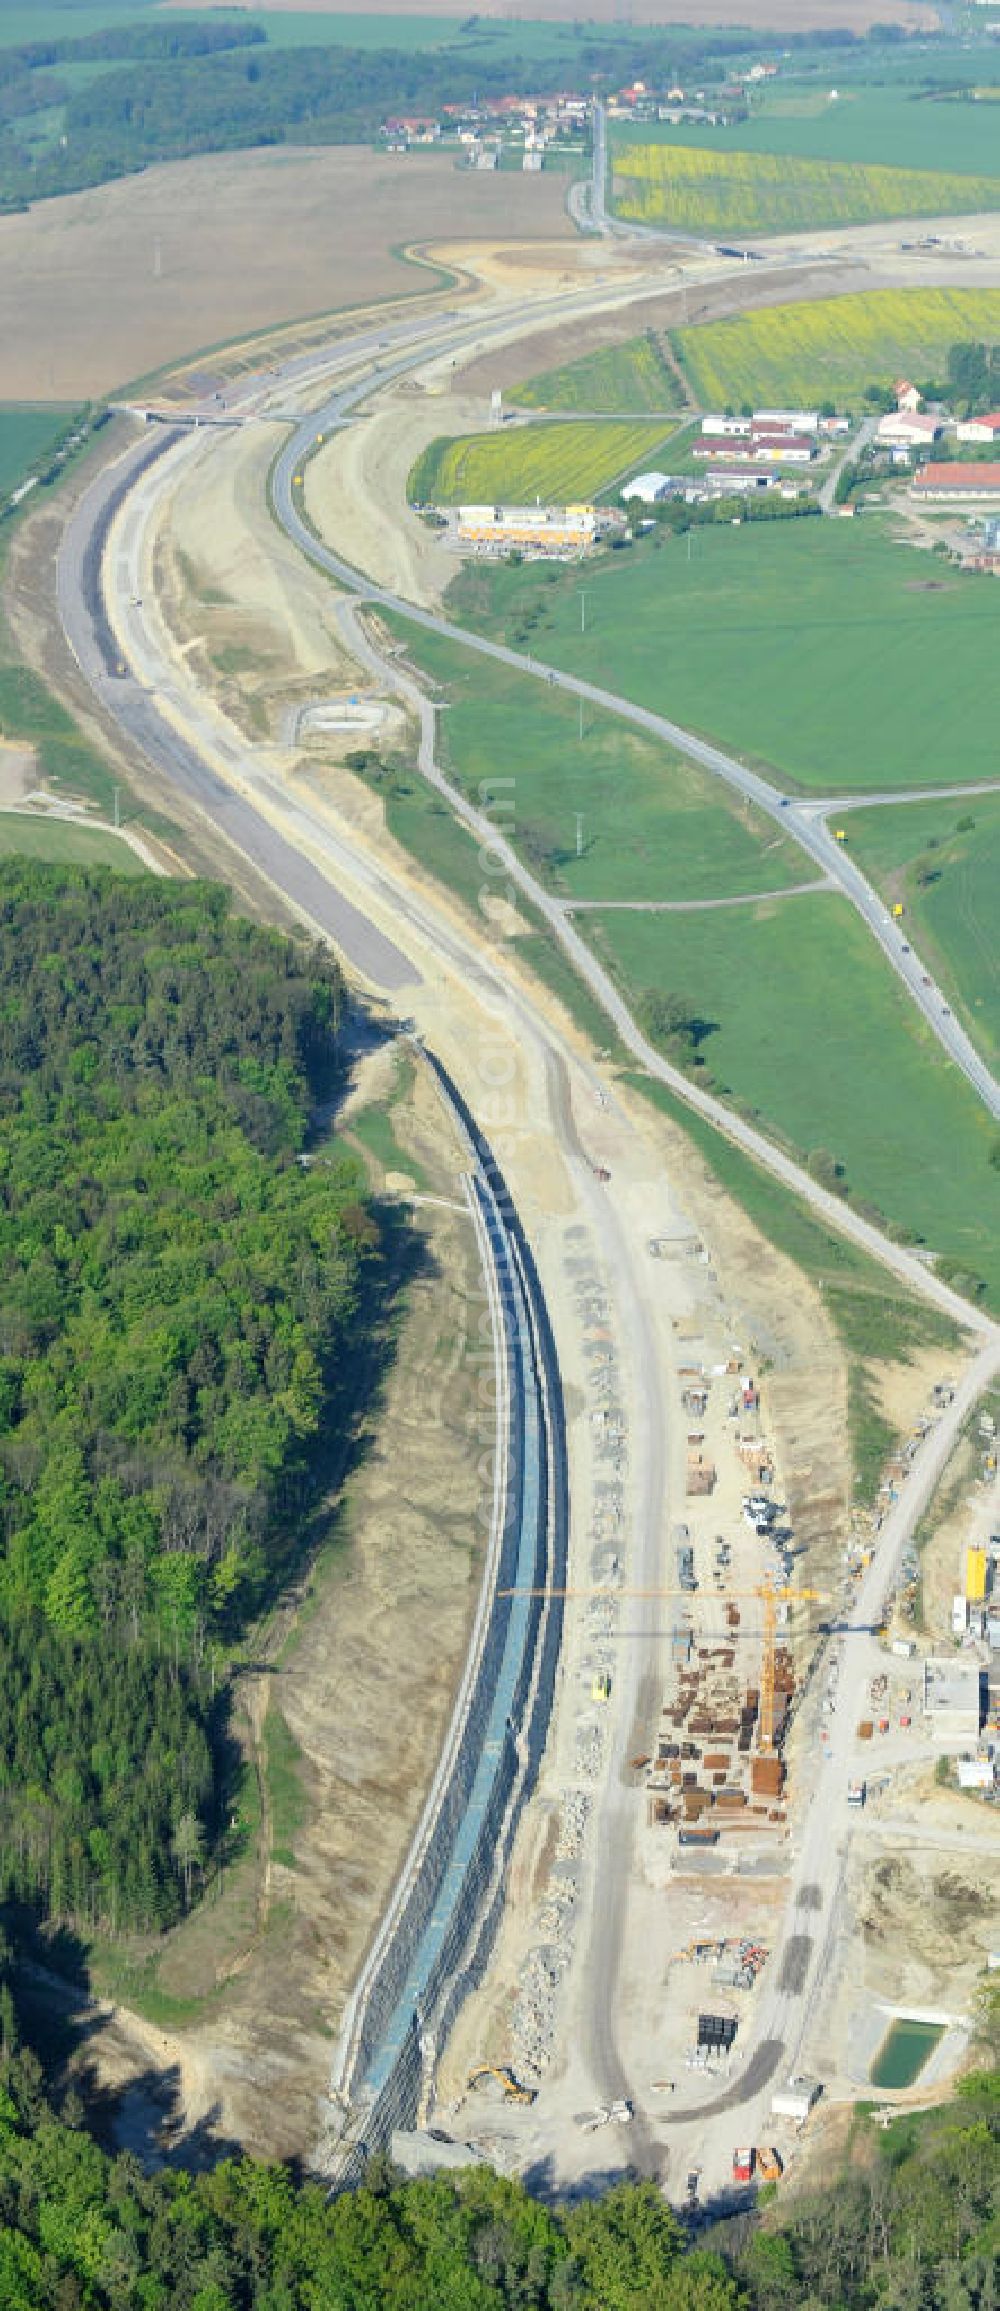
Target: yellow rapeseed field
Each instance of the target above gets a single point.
(557, 463)
(833, 348)
(736, 193)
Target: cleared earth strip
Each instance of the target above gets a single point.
(434, 1939)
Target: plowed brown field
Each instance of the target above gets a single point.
(107, 285)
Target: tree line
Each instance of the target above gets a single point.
(971, 385)
(172, 90)
(182, 1304)
(906, 2221)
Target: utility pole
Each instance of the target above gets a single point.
(583, 613)
(579, 832)
(581, 718)
(118, 820)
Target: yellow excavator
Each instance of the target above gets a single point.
(513, 2091)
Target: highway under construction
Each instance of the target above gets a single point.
(657, 1643)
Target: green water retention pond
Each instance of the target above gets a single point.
(906, 2047)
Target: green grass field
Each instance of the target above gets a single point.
(651, 825)
(813, 648)
(814, 1036)
(811, 1025)
(28, 431)
(287, 1801)
(897, 128)
(65, 759)
(485, 39)
(942, 861)
(629, 377)
(831, 348)
(54, 20)
(294, 28)
(428, 829)
(558, 463)
(65, 844)
(373, 1129)
(727, 191)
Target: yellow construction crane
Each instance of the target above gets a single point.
(770, 1598)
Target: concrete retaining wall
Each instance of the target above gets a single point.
(435, 1939)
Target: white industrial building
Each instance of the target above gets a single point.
(648, 488)
(559, 530)
(795, 2099)
(909, 427)
(804, 421)
(979, 1772)
(960, 483)
(953, 1699)
(726, 481)
(979, 429)
(787, 420)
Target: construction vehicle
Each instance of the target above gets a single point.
(743, 2164)
(513, 2091)
(857, 1792)
(601, 1687)
(769, 2165)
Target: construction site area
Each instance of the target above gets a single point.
(759, 1978)
(717, 1766)
(686, 1961)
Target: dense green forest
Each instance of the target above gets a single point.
(910, 2222)
(178, 88)
(973, 378)
(179, 1303)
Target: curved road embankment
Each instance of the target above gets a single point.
(83, 612)
(434, 1940)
